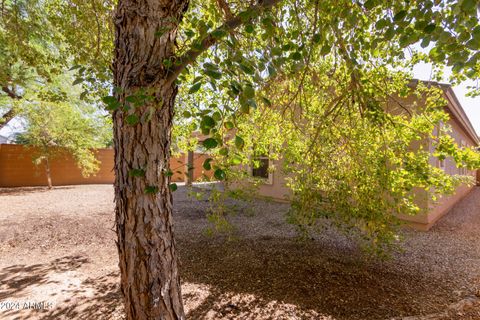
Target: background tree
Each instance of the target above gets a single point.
(59, 124)
(43, 39)
(31, 51)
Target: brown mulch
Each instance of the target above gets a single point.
(57, 246)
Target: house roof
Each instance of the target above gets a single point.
(455, 108)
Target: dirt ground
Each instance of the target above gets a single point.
(59, 261)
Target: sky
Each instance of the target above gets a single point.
(471, 106)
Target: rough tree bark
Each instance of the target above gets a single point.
(145, 32)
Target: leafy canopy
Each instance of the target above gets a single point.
(59, 123)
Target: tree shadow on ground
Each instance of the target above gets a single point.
(21, 191)
(308, 276)
(65, 295)
(97, 298)
(17, 278)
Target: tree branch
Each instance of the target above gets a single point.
(191, 55)
(11, 93)
(223, 5)
(12, 112)
(7, 117)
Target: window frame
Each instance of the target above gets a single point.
(268, 180)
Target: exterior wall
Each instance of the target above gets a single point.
(17, 168)
(430, 211)
(277, 189)
(198, 172)
(440, 207)
(419, 220)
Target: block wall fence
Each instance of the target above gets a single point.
(18, 170)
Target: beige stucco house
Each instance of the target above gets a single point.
(274, 185)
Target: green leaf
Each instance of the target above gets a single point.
(132, 99)
(137, 173)
(207, 122)
(186, 114)
(173, 186)
(252, 103)
(239, 142)
(223, 151)
(429, 28)
(249, 28)
(382, 23)
(206, 164)
(210, 143)
(474, 43)
(296, 56)
(132, 119)
(195, 88)
(271, 70)
(325, 50)
(169, 173)
(214, 74)
(266, 101)
(167, 63)
(246, 68)
(219, 33)
(228, 125)
(151, 189)
(400, 16)
(468, 5)
(83, 95)
(111, 102)
(219, 174)
(246, 15)
(236, 160)
(77, 81)
(369, 4)
(425, 42)
(217, 116)
(248, 91)
(235, 86)
(245, 107)
(390, 33)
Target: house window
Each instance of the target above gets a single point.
(441, 164)
(261, 169)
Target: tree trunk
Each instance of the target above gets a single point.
(47, 172)
(190, 168)
(148, 261)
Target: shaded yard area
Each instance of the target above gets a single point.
(58, 247)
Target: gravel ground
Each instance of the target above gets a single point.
(58, 247)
